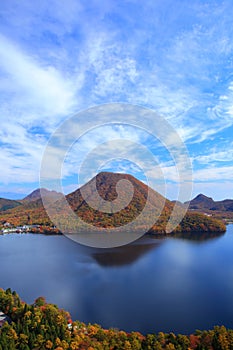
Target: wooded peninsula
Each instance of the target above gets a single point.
(44, 326)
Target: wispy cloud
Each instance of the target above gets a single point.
(41, 88)
(212, 174)
(216, 156)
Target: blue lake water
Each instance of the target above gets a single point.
(152, 285)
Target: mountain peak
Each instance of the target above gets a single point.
(201, 202)
(202, 197)
(39, 192)
(113, 205)
(110, 175)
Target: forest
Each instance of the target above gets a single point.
(41, 326)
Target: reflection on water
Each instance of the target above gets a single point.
(154, 284)
(130, 253)
(194, 236)
(199, 236)
(125, 255)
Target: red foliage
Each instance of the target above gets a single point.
(194, 341)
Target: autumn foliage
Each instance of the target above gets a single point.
(159, 209)
(45, 326)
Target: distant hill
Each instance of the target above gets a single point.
(30, 209)
(36, 194)
(202, 202)
(102, 190)
(182, 205)
(6, 204)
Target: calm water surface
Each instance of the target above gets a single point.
(152, 285)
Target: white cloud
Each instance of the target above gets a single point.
(35, 96)
(214, 173)
(216, 156)
(20, 163)
(41, 87)
(57, 58)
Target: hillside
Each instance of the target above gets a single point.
(30, 210)
(102, 192)
(44, 326)
(6, 204)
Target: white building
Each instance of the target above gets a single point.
(4, 318)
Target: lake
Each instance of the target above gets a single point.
(152, 285)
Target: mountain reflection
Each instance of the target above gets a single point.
(130, 253)
(127, 254)
(199, 236)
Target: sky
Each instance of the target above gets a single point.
(60, 58)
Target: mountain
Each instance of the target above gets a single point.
(99, 203)
(107, 202)
(202, 202)
(36, 194)
(30, 210)
(6, 204)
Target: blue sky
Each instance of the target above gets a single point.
(58, 58)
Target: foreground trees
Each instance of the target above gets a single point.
(44, 326)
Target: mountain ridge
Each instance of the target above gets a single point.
(201, 202)
(104, 191)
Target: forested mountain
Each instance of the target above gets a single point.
(102, 192)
